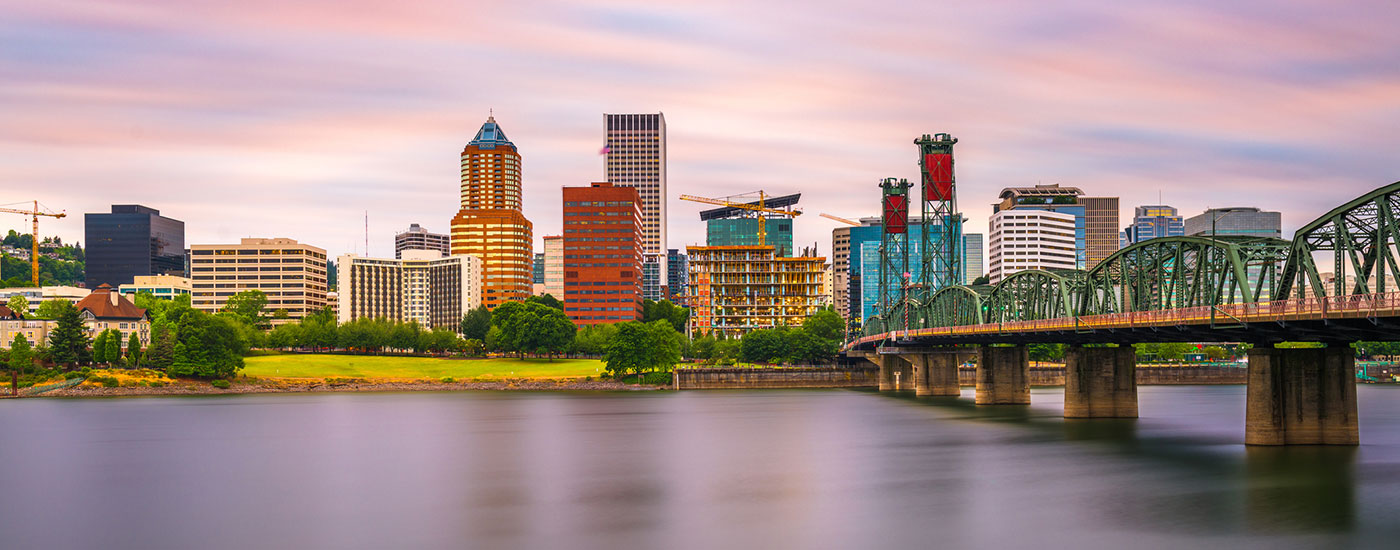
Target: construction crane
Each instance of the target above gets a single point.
(34, 253)
(840, 219)
(759, 208)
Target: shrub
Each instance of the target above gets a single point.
(157, 383)
(109, 382)
(221, 384)
(448, 380)
(76, 374)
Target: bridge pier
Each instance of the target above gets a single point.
(1003, 376)
(1101, 382)
(1301, 396)
(891, 364)
(936, 372)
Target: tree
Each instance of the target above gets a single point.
(642, 347)
(983, 280)
(51, 308)
(806, 348)
(68, 341)
(664, 310)
(825, 324)
(99, 347)
(18, 304)
(767, 345)
(475, 323)
(593, 339)
(403, 336)
(133, 350)
(114, 347)
(493, 340)
(546, 300)
(1046, 352)
(284, 336)
(535, 328)
(249, 307)
(21, 354)
(161, 353)
(206, 346)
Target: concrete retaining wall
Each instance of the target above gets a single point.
(775, 377)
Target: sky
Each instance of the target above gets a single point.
(262, 118)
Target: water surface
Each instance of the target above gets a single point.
(700, 469)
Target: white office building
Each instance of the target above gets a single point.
(1030, 239)
(423, 286)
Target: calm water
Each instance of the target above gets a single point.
(715, 470)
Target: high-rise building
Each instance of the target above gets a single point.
(862, 260)
(841, 270)
(417, 238)
(602, 246)
(422, 287)
(744, 232)
(291, 274)
(490, 224)
(537, 275)
(1240, 220)
(1150, 222)
(1095, 223)
(737, 289)
(1024, 239)
(132, 240)
(636, 157)
(675, 275)
(554, 266)
(972, 261)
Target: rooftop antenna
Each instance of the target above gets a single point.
(367, 233)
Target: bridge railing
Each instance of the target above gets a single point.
(1295, 309)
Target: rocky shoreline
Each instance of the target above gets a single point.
(181, 387)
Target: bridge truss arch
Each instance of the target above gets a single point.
(1362, 236)
(1183, 272)
(955, 306)
(1032, 295)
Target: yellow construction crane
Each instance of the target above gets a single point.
(840, 219)
(756, 207)
(34, 253)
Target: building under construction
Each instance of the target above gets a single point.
(737, 289)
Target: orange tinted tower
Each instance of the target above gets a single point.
(490, 224)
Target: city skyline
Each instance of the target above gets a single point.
(1135, 103)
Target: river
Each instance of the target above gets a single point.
(700, 469)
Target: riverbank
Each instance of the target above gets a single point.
(248, 386)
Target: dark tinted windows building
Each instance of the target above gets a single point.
(132, 240)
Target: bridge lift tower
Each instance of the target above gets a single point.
(894, 247)
(941, 248)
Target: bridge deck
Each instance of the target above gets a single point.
(1359, 316)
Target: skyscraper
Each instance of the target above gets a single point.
(1240, 220)
(422, 287)
(417, 238)
(636, 157)
(1095, 218)
(602, 248)
(554, 266)
(1024, 239)
(132, 240)
(972, 264)
(490, 224)
(676, 277)
(1150, 222)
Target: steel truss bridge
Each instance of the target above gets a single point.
(1195, 289)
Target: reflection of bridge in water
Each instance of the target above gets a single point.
(1182, 289)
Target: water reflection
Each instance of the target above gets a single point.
(1300, 489)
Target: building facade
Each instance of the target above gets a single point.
(554, 266)
(417, 238)
(131, 240)
(636, 157)
(1150, 222)
(603, 254)
(160, 286)
(841, 270)
(36, 296)
(490, 224)
(106, 309)
(1096, 228)
(292, 274)
(973, 264)
(676, 266)
(1241, 220)
(737, 289)
(1024, 239)
(744, 232)
(423, 287)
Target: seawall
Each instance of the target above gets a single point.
(705, 378)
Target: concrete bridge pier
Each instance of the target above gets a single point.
(896, 373)
(1301, 396)
(1101, 382)
(936, 372)
(1004, 376)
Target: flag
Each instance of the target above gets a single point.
(605, 150)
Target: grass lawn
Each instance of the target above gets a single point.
(418, 368)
